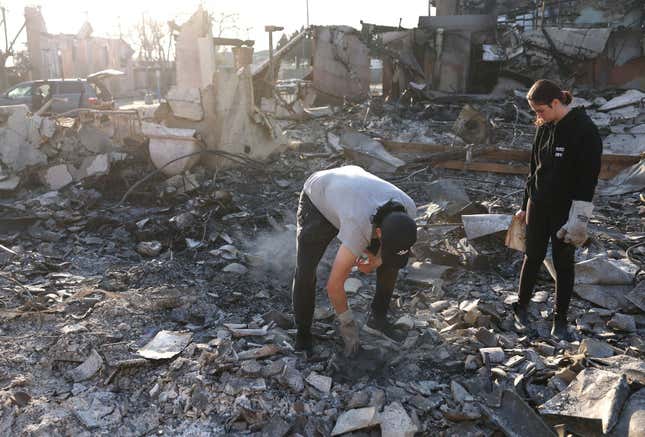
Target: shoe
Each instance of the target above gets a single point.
(521, 315)
(382, 327)
(304, 342)
(560, 329)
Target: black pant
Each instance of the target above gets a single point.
(313, 235)
(544, 221)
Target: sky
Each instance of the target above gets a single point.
(67, 16)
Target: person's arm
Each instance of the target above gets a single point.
(336, 291)
(532, 167)
(588, 156)
(588, 163)
(368, 266)
(340, 270)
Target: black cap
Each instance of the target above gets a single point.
(398, 234)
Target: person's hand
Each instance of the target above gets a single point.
(574, 230)
(349, 332)
(368, 265)
(521, 214)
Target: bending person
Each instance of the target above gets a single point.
(374, 221)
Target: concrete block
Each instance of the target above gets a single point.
(19, 138)
(167, 144)
(57, 176)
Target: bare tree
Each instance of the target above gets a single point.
(7, 52)
(154, 40)
(224, 24)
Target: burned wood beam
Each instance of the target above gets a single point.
(277, 56)
(233, 42)
(442, 156)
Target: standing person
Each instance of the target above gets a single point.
(564, 169)
(370, 217)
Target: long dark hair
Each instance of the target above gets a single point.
(544, 91)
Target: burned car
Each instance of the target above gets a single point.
(68, 94)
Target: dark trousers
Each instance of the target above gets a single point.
(544, 221)
(313, 235)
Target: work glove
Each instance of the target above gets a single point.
(349, 332)
(574, 230)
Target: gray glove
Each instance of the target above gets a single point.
(574, 230)
(349, 332)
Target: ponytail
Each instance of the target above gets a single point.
(544, 91)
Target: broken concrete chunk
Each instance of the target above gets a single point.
(629, 180)
(613, 297)
(95, 139)
(601, 270)
(593, 399)
(19, 140)
(57, 176)
(277, 427)
(251, 367)
(632, 368)
(449, 194)
(98, 165)
(395, 422)
(170, 144)
(623, 144)
(622, 322)
(368, 152)
(516, 418)
(486, 337)
(292, 378)
(595, 348)
(9, 183)
(180, 184)
(320, 382)
(186, 103)
(630, 97)
(88, 368)
(165, 345)
(405, 321)
(632, 418)
(356, 419)
(637, 296)
(97, 409)
(459, 393)
(479, 225)
(359, 399)
(236, 268)
(495, 354)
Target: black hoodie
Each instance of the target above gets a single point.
(565, 161)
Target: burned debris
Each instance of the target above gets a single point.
(147, 252)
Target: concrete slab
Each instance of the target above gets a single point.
(591, 403)
(19, 138)
(57, 176)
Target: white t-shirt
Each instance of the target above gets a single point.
(348, 197)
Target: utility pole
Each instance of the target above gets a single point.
(304, 40)
(143, 30)
(270, 30)
(4, 23)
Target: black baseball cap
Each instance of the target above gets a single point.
(398, 235)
